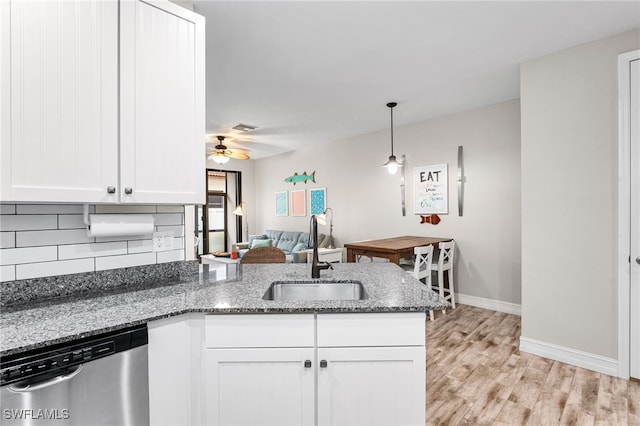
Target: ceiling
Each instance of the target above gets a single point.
(312, 72)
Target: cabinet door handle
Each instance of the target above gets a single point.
(111, 189)
(638, 260)
(307, 363)
(128, 191)
(323, 363)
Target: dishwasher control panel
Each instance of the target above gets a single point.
(26, 368)
(61, 358)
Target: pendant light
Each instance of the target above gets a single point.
(392, 164)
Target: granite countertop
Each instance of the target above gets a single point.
(239, 290)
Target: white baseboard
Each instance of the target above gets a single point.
(494, 305)
(575, 357)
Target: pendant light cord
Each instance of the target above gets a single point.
(391, 105)
(391, 130)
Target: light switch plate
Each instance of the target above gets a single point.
(163, 241)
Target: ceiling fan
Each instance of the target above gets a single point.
(221, 154)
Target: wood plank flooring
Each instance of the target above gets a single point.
(477, 376)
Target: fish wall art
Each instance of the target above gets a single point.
(304, 177)
(433, 219)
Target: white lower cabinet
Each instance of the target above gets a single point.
(371, 386)
(320, 378)
(269, 386)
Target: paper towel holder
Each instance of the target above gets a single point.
(112, 225)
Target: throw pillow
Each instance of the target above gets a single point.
(299, 247)
(261, 243)
(256, 237)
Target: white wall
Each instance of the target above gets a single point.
(366, 199)
(569, 202)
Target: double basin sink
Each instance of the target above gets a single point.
(315, 290)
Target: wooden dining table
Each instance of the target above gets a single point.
(394, 248)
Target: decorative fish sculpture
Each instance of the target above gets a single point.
(433, 219)
(304, 177)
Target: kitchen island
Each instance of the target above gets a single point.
(41, 323)
(220, 353)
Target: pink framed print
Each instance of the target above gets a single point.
(298, 202)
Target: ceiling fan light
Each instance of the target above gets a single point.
(219, 158)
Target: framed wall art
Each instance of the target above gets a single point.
(430, 185)
(317, 200)
(282, 203)
(298, 202)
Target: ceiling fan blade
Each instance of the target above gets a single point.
(237, 155)
(240, 150)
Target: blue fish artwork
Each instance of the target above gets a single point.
(304, 177)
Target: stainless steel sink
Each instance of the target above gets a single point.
(316, 290)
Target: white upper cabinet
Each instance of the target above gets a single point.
(161, 103)
(85, 119)
(60, 84)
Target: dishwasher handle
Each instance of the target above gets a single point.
(28, 386)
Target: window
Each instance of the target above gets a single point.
(222, 227)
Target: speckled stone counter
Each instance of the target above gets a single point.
(388, 287)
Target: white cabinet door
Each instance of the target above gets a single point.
(259, 386)
(175, 370)
(162, 151)
(59, 100)
(371, 386)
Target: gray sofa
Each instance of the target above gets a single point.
(292, 243)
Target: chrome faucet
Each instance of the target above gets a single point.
(316, 265)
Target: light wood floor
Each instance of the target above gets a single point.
(477, 376)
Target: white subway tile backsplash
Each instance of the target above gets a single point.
(7, 209)
(178, 243)
(15, 256)
(40, 240)
(163, 219)
(170, 209)
(140, 246)
(177, 230)
(28, 222)
(52, 238)
(71, 221)
(7, 273)
(76, 251)
(112, 262)
(47, 269)
(7, 240)
(106, 208)
(49, 208)
(127, 238)
(170, 256)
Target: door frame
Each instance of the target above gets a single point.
(624, 211)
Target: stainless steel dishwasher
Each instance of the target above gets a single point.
(102, 380)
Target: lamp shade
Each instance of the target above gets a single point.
(392, 164)
(219, 158)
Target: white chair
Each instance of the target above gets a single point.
(442, 264)
(422, 267)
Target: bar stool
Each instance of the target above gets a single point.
(442, 264)
(422, 267)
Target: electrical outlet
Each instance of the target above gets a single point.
(163, 241)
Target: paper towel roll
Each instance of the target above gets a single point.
(112, 225)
